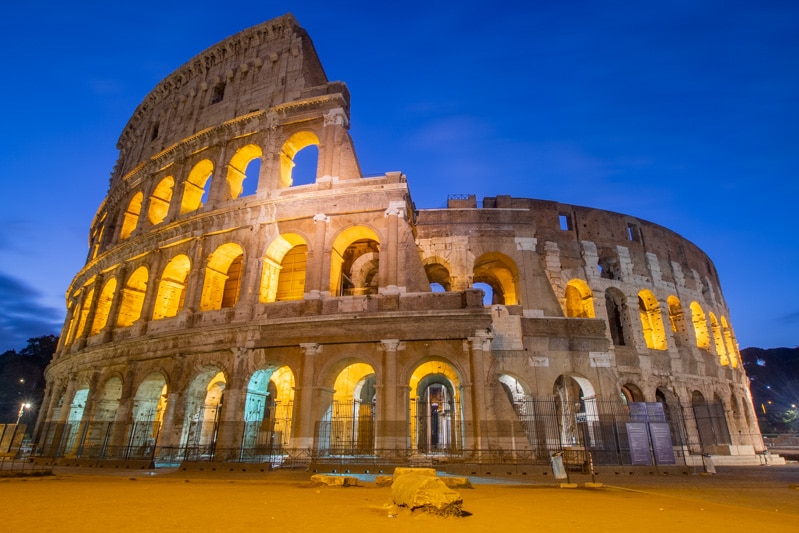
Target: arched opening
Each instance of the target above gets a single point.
(700, 326)
(284, 269)
(676, 315)
(616, 306)
(172, 288)
(436, 413)
(203, 407)
(98, 432)
(438, 276)
(149, 405)
(288, 159)
(500, 273)
(75, 422)
(718, 340)
(347, 427)
(575, 403)
(131, 217)
(579, 300)
(132, 297)
(651, 321)
(243, 171)
(160, 200)
(103, 306)
(222, 277)
(673, 412)
(82, 314)
(631, 393)
(488, 292)
(729, 342)
(195, 189)
(354, 264)
(711, 422)
(531, 416)
(268, 408)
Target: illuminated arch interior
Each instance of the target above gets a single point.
(498, 272)
(676, 315)
(294, 144)
(132, 297)
(579, 300)
(203, 401)
(82, 314)
(237, 169)
(651, 321)
(268, 408)
(131, 217)
(718, 340)
(194, 189)
(348, 248)
(172, 287)
(160, 199)
(103, 306)
(435, 407)
(700, 326)
(284, 269)
(222, 277)
(729, 342)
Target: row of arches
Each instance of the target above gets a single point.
(170, 197)
(706, 328)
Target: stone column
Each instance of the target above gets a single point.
(123, 419)
(230, 429)
(303, 410)
(314, 280)
(391, 255)
(335, 126)
(479, 348)
(390, 426)
(191, 302)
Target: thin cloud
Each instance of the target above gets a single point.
(22, 316)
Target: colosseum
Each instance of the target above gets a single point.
(232, 310)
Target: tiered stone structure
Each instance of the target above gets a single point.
(227, 311)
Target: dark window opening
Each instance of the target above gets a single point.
(565, 222)
(154, 132)
(218, 93)
(633, 233)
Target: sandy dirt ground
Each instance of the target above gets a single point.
(765, 499)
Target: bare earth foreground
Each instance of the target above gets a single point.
(735, 499)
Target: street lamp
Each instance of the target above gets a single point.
(22, 408)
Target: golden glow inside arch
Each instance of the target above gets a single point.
(651, 321)
(579, 300)
(172, 288)
(348, 381)
(194, 187)
(222, 277)
(294, 144)
(237, 168)
(133, 297)
(131, 217)
(160, 199)
(281, 281)
(344, 240)
(676, 315)
(700, 326)
(729, 342)
(103, 306)
(500, 273)
(434, 373)
(718, 340)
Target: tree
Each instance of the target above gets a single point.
(22, 379)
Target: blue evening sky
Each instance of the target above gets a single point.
(684, 113)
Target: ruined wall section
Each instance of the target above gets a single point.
(258, 68)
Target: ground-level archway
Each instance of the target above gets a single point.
(435, 409)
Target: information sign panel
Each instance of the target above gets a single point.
(638, 438)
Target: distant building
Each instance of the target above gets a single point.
(229, 311)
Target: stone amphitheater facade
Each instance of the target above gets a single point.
(229, 312)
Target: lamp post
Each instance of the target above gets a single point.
(22, 408)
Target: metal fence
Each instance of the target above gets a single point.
(589, 430)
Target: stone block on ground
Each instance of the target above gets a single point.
(333, 481)
(404, 470)
(426, 493)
